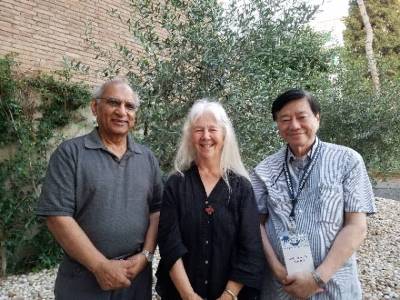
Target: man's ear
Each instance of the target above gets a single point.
(93, 107)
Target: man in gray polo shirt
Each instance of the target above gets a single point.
(101, 199)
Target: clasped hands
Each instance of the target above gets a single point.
(115, 274)
(299, 285)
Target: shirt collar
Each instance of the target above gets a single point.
(93, 141)
(292, 157)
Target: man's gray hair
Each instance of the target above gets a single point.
(99, 90)
(230, 157)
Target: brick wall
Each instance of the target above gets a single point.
(42, 32)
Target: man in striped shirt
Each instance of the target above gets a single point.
(320, 189)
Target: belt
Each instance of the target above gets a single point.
(127, 255)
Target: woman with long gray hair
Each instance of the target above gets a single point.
(209, 235)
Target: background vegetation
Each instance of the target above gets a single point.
(243, 55)
(31, 109)
(372, 123)
(385, 21)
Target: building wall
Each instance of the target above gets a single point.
(42, 32)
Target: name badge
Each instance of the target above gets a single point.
(297, 253)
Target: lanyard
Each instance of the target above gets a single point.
(294, 197)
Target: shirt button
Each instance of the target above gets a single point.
(206, 262)
(206, 282)
(206, 242)
(206, 202)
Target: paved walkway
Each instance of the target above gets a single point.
(389, 189)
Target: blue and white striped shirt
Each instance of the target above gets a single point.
(338, 183)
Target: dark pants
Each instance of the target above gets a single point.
(77, 283)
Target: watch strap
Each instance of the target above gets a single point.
(318, 280)
(149, 256)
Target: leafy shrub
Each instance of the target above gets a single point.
(242, 56)
(354, 116)
(29, 125)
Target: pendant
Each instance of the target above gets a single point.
(209, 210)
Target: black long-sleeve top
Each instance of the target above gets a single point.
(215, 246)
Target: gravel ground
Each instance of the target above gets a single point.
(378, 258)
(379, 265)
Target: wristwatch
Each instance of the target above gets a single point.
(318, 280)
(149, 256)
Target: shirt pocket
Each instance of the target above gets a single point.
(279, 209)
(278, 201)
(331, 203)
(279, 206)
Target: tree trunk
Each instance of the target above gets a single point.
(3, 259)
(368, 46)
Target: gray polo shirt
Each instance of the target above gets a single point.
(110, 198)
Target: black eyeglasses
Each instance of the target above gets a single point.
(115, 102)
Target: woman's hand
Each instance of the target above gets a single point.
(181, 282)
(225, 296)
(192, 296)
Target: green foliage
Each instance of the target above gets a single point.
(247, 54)
(8, 107)
(369, 123)
(354, 116)
(29, 126)
(385, 22)
(58, 99)
(242, 56)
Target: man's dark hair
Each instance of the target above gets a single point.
(292, 95)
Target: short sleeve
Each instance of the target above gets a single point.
(260, 192)
(58, 191)
(357, 188)
(169, 236)
(248, 266)
(155, 203)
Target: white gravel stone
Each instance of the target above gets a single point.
(378, 261)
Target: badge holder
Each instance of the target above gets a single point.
(295, 246)
(296, 251)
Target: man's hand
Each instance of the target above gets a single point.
(302, 285)
(280, 273)
(139, 262)
(113, 274)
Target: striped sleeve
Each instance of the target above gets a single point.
(357, 188)
(260, 192)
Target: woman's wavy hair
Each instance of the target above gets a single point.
(230, 157)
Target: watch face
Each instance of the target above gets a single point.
(148, 255)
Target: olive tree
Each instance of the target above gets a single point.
(242, 55)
